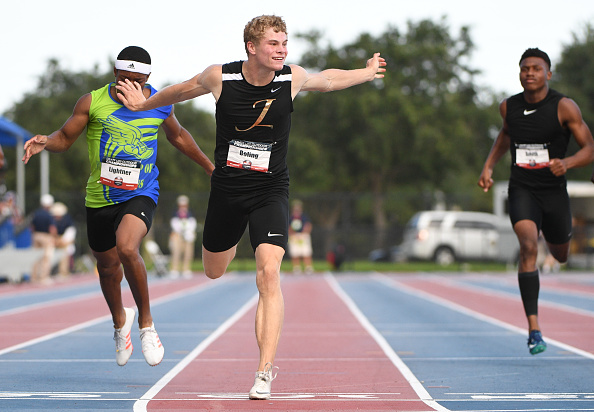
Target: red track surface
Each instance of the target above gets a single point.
(328, 362)
(52, 318)
(557, 323)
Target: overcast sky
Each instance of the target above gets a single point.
(185, 36)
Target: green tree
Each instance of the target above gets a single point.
(421, 127)
(572, 76)
(44, 110)
(178, 173)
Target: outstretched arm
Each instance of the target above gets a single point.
(183, 141)
(63, 138)
(202, 83)
(336, 79)
(499, 148)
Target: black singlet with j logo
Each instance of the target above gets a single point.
(253, 125)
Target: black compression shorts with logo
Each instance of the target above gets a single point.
(548, 208)
(102, 222)
(228, 215)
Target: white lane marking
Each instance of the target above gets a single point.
(141, 404)
(383, 343)
(56, 395)
(527, 396)
(48, 303)
(302, 360)
(59, 301)
(477, 315)
(304, 396)
(514, 296)
(298, 395)
(101, 319)
(53, 335)
(290, 396)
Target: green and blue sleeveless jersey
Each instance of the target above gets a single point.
(122, 150)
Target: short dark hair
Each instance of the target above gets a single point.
(536, 52)
(136, 54)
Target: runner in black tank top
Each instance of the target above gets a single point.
(534, 126)
(250, 182)
(537, 125)
(248, 114)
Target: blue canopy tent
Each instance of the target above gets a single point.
(11, 134)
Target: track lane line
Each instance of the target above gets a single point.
(461, 284)
(385, 346)
(48, 303)
(93, 322)
(469, 312)
(318, 325)
(141, 404)
(27, 289)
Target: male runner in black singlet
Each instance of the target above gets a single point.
(254, 101)
(537, 125)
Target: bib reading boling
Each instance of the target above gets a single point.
(532, 156)
(121, 174)
(249, 155)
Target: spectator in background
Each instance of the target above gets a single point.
(66, 235)
(9, 208)
(44, 231)
(3, 168)
(300, 248)
(10, 218)
(182, 238)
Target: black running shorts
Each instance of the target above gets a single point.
(548, 208)
(102, 222)
(228, 215)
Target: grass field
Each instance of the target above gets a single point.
(368, 266)
(577, 262)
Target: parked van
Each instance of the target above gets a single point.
(449, 236)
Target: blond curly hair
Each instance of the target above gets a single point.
(255, 29)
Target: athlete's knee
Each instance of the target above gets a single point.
(128, 253)
(213, 272)
(214, 267)
(268, 279)
(216, 263)
(562, 257)
(108, 263)
(528, 249)
(560, 252)
(108, 268)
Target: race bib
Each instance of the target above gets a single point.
(249, 155)
(121, 174)
(532, 156)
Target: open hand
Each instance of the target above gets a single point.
(33, 146)
(377, 63)
(130, 93)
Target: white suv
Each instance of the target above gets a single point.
(449, 236)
